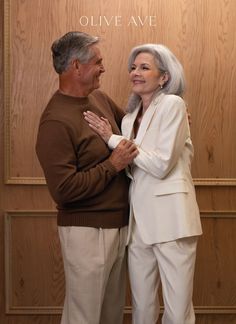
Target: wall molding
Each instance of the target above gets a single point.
(24, 180)
(199, 310)
(10, 308)
(7, 106)
(198, 182)
(7, 82)
(53, 310)
(218, 214)
(214, 182)
(221, 310)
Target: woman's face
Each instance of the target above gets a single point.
(144, 75)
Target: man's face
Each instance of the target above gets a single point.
(90, 72)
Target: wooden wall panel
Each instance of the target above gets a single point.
(214, 290)
(34, 269)
(201, 34)
(212, 74)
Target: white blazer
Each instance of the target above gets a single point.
(162, 194)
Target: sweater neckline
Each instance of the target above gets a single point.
(77, 100)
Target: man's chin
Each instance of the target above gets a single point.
(97, 85)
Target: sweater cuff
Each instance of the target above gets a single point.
(110, 167)
(114, 141)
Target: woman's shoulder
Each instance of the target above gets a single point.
(173, 98)
(172, 105)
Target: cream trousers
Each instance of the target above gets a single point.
(95, 266)
(170, 263)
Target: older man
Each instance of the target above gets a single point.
(88, 184)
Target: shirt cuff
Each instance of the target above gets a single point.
(114, 141)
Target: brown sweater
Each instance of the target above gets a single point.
(82, 181)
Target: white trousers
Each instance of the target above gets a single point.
(173, 264)
(95, 266)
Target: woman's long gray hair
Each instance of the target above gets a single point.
(166, 62)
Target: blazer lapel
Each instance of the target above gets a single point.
(147, 119)
(129, 124)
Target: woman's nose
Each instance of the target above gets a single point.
(136, 71)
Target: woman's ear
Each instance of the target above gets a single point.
(164, 78)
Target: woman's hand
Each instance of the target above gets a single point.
(100, 125)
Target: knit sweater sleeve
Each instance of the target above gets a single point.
(57, 156)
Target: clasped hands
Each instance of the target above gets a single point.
(125, 151)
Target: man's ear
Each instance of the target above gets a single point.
(76, 64)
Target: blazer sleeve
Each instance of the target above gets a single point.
(169, 141)
(114, 141)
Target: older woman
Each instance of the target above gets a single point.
(164, 219)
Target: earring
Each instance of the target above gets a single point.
(161, 86)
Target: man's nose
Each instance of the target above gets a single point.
(102, 69)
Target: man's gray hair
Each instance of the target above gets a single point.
(73, 45)
(166, 62)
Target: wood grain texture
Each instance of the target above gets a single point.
(34, 276)
(200, 33)
(216, 256)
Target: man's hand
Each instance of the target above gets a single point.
(123, 154)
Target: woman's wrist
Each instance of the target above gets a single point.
(107, 137)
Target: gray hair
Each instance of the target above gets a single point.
(166, 62)
(73, 45)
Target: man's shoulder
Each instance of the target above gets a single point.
(99, 95)
(57, 109)
(59, 106)
(103, 99)
(52, 103)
